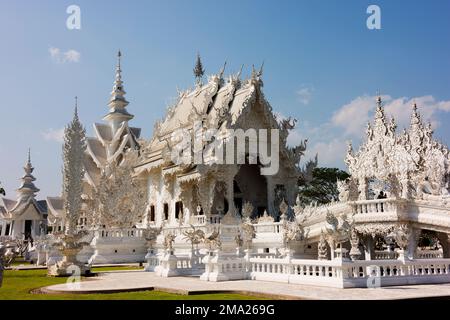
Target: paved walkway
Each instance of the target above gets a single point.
(121, 281)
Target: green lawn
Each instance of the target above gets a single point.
(121, 268)
(20, 261)
(17, 285)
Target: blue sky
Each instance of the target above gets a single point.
(322, 66)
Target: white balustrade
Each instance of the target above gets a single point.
(385, 255)
(264, 255)
(233, 266)
(215, 219)
(120, 233)
(397, 268)
(374, 206)
(429, 254)
(269, 227)
(198, 220)
(186, 262)
(336, 273)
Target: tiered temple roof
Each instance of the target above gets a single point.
(111, 140)
(26, 196)
(113, 137)
(218, 104)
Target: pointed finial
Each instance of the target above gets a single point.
(223, 69)
(199, 71)
(119, 56)
(240, 71)
(379, 101)
(75, 112)
(261, 69)
(253, 71)
(29, 155)
(349, 147)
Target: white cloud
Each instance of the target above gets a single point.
(428, 107)
(304, 95)
(54, 53)
(56, 135)
(70, 56)
(353, 117)
(330, 153)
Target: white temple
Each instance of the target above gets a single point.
(224, 221)
(25, 217)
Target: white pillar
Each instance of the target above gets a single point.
(18, 229)
(369, 248)
(412, 243)
(444, 239)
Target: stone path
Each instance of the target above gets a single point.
(122, 281)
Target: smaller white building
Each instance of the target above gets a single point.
(25, 217)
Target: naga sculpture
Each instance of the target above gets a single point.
(194, 236)
(212, 240)
(168, 242)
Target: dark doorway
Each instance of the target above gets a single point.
(152, 213)
(178, 209)
(166, 211)
(28, 226)
(250, 186)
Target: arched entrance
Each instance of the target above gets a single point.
(250, 185)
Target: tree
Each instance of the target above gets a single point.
(323, 186)
(2, 191)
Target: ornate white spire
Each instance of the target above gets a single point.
(415, 116)
(117, 103)
(380, 125)
(379, 102)
(73, 171)
(27, 189)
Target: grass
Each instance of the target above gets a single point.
(121, 268)
(17, 285)
(20, 261)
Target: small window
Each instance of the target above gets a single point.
(152, 213)
(266, 250)
(178, 209)
(166, 211)
(115, 251)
